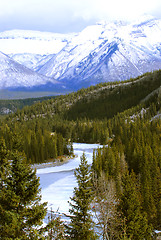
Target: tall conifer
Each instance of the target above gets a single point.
(20, 208)
(135, 223)
(81, 225)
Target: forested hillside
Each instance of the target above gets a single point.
(84, 116)
(125, 117)
(10, 106)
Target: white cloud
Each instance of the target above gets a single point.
(117, 9)
(63, 15)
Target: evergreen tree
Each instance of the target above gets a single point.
(135, 225)
(3, 161)
(20, 208)
(81, 225)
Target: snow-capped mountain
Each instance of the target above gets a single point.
(107, 51)
(32, 48)
(21, 52)
(15, 75)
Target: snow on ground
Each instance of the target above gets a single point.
(58, 182)
(79, 148)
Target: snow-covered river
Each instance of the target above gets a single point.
(57, 183)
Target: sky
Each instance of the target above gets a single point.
(65, 16)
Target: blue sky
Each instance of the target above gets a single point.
(66, 16)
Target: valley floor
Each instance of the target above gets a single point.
(58, 182)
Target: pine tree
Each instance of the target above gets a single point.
(135, 224)
(20, 208)
(147, 181)
(80, 227)
(3, 161)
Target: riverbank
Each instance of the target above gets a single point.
(53, 162)
(57, 183)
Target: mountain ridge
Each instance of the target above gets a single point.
(16, 75)
(120, 50)
(113, 51)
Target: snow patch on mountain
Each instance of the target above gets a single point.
(107, 51)
(23, 41)
(13, 75)
(32, 48)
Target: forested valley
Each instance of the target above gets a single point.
(125, 176)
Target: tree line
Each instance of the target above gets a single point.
(98, 208)
(35, 140)
(123, 191)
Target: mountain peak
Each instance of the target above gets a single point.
(143, 19)
(106, 51)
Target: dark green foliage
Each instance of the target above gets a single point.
(126, 117)
(34, 138)
(4, 165)
(111, 100)
(136, 146)
(134, 222)
(12, 105)
(82, 116)
(20, 208)
(81, 226)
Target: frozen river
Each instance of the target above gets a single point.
(57, 183)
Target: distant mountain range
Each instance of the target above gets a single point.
(107, 51)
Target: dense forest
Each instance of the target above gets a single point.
(10, 106)
(126, 172)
